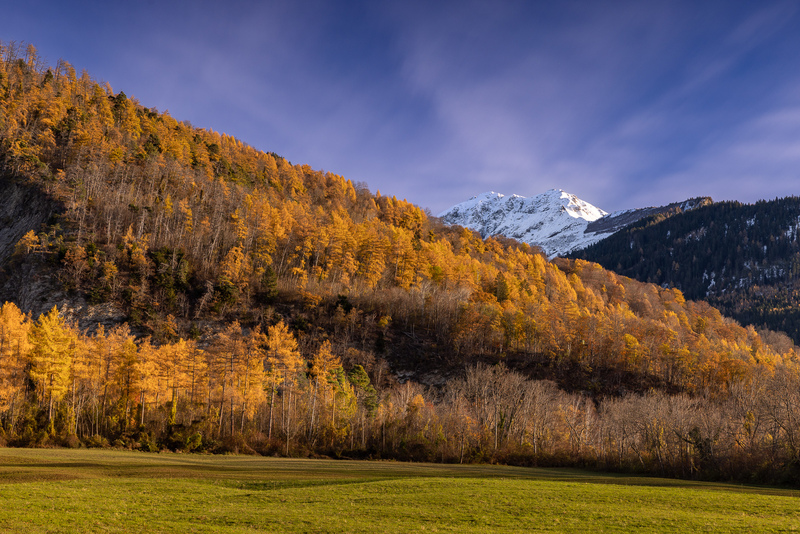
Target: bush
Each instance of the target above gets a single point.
(97, 442)
(71, 442)
(146, 444)
(233, 445)
(194, 442)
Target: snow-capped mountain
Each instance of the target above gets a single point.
(556, 221)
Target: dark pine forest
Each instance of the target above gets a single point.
(744, 259)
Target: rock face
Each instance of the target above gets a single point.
(555, 221)
(27, 281)
(30, 282)
(22, 208)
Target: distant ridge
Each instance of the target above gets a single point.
(741, 258)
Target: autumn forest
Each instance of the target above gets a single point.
(272, 308)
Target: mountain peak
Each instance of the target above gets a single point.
(556, 221)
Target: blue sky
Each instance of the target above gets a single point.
(625, 104)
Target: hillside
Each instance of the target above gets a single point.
(273, 307)
(742, 258)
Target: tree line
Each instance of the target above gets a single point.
(257, 392)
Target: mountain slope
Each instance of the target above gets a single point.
(277, 308)
(555, 221)
(182, 230)
(742, 258)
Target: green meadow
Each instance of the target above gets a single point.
(55, 490)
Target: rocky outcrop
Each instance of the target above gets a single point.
(31, 281)
(23, 208)
(28, 281)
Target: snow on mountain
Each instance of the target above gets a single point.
(556, 221)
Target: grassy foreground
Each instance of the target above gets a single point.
(113, 491)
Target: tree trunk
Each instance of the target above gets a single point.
(141, 404)
(221, 409)
(231, 416)
(313, 409)
(288, 420)
(173, 410)
(50, 413)
(271, 405)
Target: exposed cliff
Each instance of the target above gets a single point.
(23, 208)
(31, 280)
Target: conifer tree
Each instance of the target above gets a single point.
(51, 358)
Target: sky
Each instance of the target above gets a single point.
(622, 103)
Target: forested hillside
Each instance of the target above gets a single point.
(278, 308)
(742, 258)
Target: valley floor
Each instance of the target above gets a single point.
(59, 490)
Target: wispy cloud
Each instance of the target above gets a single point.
(608, 103)
(624, 103)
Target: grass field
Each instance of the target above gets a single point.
(113, 491)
